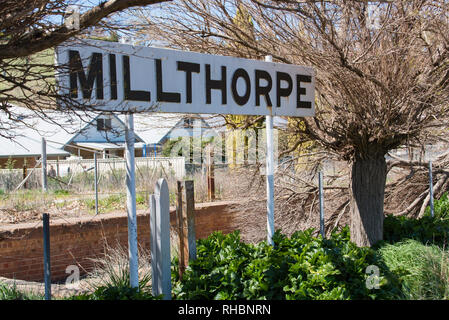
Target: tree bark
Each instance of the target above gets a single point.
(367, 201)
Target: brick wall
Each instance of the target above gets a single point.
(76, 241)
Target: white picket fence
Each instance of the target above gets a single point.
(172, 166)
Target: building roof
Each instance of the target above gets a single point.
(80, 129)
(27, 147)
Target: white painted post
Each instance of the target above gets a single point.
(131, 202)
(270, 173)
(44, 165)
(163, 239)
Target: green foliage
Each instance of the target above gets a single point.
(427, 229)
(423, 269)
(299, 267)
(8, 292)
(440, 208)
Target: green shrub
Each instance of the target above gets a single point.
(299, 267)
(423, 269)
(427, 229)
(440, 208)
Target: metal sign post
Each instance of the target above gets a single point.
(270, 173)
(131, 201)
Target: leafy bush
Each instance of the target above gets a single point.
(427, 229)
(423, 270)
(440, 208)
(299, 267)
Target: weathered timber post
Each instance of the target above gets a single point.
(185, 214)
(210, 174)
(181, 228)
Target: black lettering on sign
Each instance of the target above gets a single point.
(283, 92)
(302, 104)
(240, 73)
(216, 84)
(188, 68)
(113, 76)
(134, 95)
(94, 73)
(263, 91)
(161, 95)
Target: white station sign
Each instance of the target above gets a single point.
(120, 77)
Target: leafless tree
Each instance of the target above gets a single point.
(29, 30)
(382, 74)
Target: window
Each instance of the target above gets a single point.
(104, 124)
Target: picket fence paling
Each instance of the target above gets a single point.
(160, 239)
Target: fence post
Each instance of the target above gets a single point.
(181, 224)
(24, 175)
(190, 214)
(161, 238)
(431, 189)
(185, 212)
(321, 195)
(44, 165)
(210, 174)
(47, 265)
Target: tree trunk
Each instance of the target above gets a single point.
(367, 202)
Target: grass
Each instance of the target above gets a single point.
(10, 292)
(115, 202)
(109, 279)
(423, 269)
